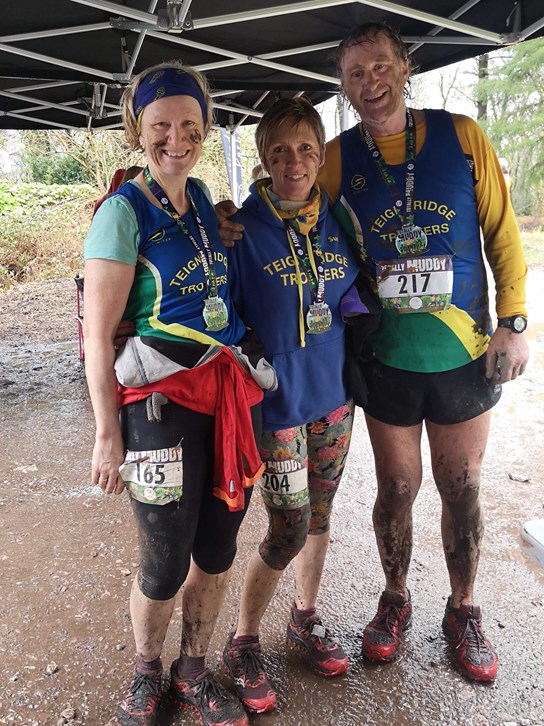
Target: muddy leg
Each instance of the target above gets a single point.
(328, 445)
(203, 596)
(308, 566)
(457, 452)
(260, 584)
(150, 619)
(284, 540)
(397, 456)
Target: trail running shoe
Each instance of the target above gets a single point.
(472, 652)
(324, 655)
(212, 703)
(381, 638)
(251, 685)
(141, 700)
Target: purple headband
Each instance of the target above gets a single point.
(167, 82)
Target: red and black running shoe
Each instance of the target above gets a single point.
(472, 653)
(381, 638)
(141, 700)
(323, 653)
(245, 665)
(212, 703)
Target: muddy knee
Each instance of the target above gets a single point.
(395, 496)
(462, 492)
(286, 536)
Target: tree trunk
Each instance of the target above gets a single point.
(483, 71)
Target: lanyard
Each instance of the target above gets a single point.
(316, 285)
(205, 255)
(408, 217)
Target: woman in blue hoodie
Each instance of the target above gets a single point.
(289, 273)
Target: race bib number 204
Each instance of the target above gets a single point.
(418, 285)
(284, 484)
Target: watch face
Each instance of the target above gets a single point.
(519, 324)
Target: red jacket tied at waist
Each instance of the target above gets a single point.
(220, 388)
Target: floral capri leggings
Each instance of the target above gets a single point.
(303, 468)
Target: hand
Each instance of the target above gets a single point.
(229, 231)
(507, 356)
(108, 455)
(124, 330)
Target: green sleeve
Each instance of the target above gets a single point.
(114, 233)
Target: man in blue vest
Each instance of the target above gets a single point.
(415, 189)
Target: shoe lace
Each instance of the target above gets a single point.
(209, 690)
(388, 618)
(250, 661)
(142, 688)
(474, 636)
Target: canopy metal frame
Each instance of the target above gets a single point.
(44, 89)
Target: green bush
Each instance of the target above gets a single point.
(25, 196)
(42, 228)
(57, 169)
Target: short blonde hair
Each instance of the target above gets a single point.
(130, 122)
(290, 112)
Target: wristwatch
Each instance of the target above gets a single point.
(517, 323)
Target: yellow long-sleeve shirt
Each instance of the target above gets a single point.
(502, 241)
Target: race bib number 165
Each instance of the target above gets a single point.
(154, 477)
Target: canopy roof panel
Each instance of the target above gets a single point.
(64, 64)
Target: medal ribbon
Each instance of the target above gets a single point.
(407, 218)
(205, 255)
(316, 276)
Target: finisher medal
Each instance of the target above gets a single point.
(410, 240)
(318, 318)
(215, 314)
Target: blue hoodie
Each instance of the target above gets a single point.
(268, 297)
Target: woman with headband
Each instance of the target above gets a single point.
(177, 412)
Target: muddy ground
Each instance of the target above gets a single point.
(68, 555)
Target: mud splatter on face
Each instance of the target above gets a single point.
(293, 157)
(196, 137)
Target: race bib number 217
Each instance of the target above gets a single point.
(418, 285)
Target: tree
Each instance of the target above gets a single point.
(57, 169)
(514, 94)
(69, 157)
(450, 88)
(483, 72)
(72, 157)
